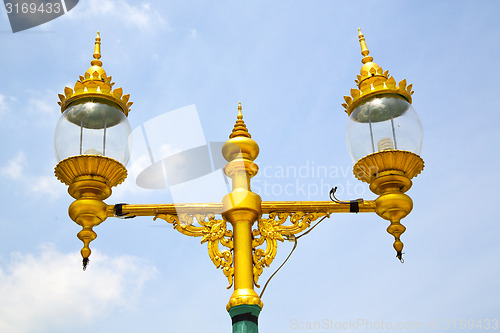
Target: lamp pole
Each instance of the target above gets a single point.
(242, 231)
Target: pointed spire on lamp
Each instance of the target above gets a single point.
(97, 51)
(370, 71)
(240, 142)
(240, 129)
(364, 48)
(96, 63)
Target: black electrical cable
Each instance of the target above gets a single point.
(284, 262)
(353, 204)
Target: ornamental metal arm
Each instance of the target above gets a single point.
(268, 207)
(198, 220)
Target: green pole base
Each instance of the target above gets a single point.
(245, 318)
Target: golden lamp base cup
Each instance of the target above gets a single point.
(90, 179)
(389, 174)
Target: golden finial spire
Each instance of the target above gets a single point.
(364, 48)
(240, 115)
(370, 70)
(96, 63)
(240, 129)
(97, 52)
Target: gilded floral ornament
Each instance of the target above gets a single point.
(371, 166)
(75, 167)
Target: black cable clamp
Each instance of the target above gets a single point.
(354, 204)
(118, 212)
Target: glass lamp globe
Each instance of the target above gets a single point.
(383, 122)
(93, 126)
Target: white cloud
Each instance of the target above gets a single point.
(4, 108)
(14, 167)
(47, 186)
(48, 291)
(44, 107)
(141, 16)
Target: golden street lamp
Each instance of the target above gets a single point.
(384, 137)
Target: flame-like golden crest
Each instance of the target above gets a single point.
(96, 83)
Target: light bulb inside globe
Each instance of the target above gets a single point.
(385, 144)
(383, 122)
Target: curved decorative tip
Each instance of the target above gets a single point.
(85, 263)
(364, 48)
(97, 51)
(398, 245)
(86, 235)
(399, 255)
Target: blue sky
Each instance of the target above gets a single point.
(290, 64)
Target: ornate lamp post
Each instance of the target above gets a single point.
(384, 138)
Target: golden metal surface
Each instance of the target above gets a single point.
(90, 178)
(269, 230)
(69, 169)
(88, 210)
(241, 207)
(372, 80)
(266, 206)
(328, 207)
(389, 174)
(393, 205)
(172, 209)
(240, 129)
(369, 167)
(240, 252)
(213, 232)
(95, 82)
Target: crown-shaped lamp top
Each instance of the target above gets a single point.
(95, 82)
(372, 80)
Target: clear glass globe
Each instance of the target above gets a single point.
(383, 122)
(93, 126)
